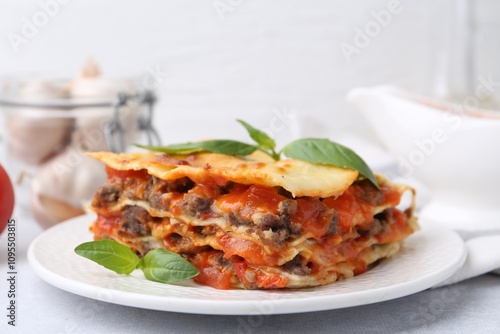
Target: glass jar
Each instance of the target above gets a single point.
(49, 124)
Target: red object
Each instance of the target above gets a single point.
(6, 199)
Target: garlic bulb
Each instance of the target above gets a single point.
(63, 183)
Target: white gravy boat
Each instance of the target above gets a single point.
(453, 150)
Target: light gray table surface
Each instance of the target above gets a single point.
(472, 306)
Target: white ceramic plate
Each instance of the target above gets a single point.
(429, 256)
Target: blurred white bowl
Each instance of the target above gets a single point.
(452, 149)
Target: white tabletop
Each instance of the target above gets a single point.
(470, 306)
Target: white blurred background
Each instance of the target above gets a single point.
(212, 61)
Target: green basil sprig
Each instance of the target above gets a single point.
(158, 265)
(231, 147)
(314, 150)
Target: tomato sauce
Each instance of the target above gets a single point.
(211, 272)
(206, 190)
(107, 225)
(247, 200)
(392, 196)
(313, 217)
(400, 228)
(249, 250)
(124, 174)
(260, 278)
(355, 207)
(175, 204)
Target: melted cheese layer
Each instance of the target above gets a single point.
(298, 177)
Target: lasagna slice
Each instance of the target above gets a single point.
(249, 222)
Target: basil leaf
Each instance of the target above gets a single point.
(324, 151)
(231, 147)
(260, 137)
(163, 266)
(184, 148)
(109, 254)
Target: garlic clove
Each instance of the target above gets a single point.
(33, 140)
(90, 69)
(36, 89)
(32, 134)
(49, 211)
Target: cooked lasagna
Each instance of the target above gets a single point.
(248, 222)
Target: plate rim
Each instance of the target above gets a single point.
(238, 307)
